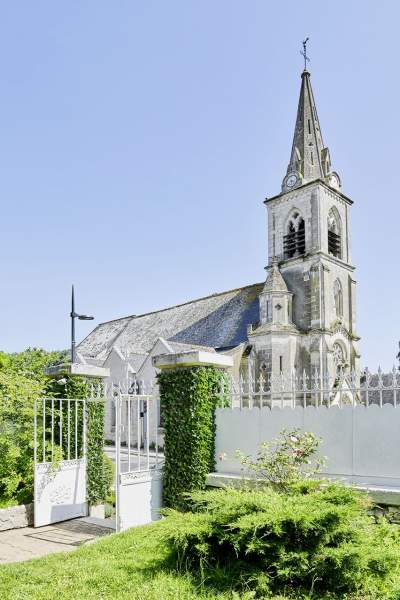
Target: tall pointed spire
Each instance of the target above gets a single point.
(309, 159)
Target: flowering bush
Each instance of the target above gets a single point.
(287, 459)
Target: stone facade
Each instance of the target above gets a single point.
(302, 318)
(312, 321)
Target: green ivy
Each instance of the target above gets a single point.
(189, 397)
(99, 473)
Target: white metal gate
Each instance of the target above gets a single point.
(138, 460)
(59, 460)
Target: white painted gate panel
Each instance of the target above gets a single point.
(60, 493)
(140, 498)
(59, 460)
(139, 475)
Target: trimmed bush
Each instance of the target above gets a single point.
(321, 540)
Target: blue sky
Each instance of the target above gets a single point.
(139, 139)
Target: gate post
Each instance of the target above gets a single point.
(117, 408)
(190, 391)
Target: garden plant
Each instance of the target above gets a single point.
(289, 535)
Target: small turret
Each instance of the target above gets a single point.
(275, 299)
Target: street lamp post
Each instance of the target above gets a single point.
(74, 316)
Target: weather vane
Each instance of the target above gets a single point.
(304, 53)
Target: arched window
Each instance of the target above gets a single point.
(269, 310)
(338, 297)
(334, 233)
(294, 242)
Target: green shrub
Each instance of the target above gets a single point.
(321, 540)
(17, 395)
(22, 379)
(189, 397)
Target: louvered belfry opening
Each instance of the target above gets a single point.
(294, 242)
(289, 242)
(334, 231)
(301, 238)
(334, 243)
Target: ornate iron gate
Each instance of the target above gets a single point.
(138, 460)
(59, 460)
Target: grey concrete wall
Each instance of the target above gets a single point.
(361, 444)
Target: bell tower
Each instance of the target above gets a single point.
(309, 254)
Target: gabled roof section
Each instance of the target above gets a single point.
(216, 321)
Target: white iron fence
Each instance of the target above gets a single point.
(294, 389)
(355, 415)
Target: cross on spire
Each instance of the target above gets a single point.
(304, 53)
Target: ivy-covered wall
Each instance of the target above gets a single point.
(99, 469)
(189, 397)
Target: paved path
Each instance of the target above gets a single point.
(25, 543)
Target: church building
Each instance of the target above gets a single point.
(301, 319)
(308, 303)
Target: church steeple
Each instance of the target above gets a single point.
(309, 159)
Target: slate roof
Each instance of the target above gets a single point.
(216, 321)
(135, 361)
(181, 347)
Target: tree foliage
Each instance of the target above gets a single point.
(22, 379)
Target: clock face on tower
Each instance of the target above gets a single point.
(291, 180)
(334, 180)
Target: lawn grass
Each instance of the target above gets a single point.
(132, 565)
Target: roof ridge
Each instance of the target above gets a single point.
(152, 312)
